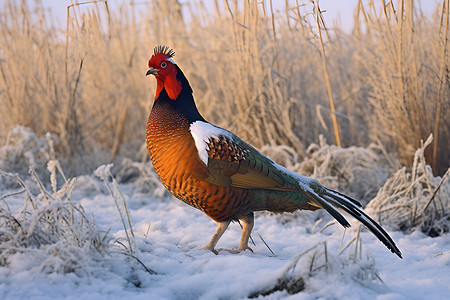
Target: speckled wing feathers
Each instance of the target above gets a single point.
(233, 162)
(223, 149)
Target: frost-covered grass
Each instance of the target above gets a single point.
(415, 198)
(95, 237)
(42, 230)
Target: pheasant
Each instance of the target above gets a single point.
(218, 173)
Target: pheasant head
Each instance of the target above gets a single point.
(165, 70)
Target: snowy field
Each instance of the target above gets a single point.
(164, 260)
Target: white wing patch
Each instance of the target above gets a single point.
(202, 132)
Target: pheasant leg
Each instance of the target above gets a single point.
(221, 227)
(247, 227)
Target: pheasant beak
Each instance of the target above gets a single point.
(152, 71)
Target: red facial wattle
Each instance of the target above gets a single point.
(165, 71)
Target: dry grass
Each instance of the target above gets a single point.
(257, 73)
(415, 199)
(404, 58)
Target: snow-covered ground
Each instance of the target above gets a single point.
(171, 247)
(72, 245)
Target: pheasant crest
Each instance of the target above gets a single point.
(164, 50)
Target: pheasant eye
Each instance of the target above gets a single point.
(163, 64)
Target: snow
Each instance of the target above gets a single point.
(202, 132)
(169, 235)
(178, 232)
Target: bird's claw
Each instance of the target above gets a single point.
(232, 251)
(211, 249)
(237, 251)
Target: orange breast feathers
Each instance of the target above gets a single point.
(176, 161)
(172, 149)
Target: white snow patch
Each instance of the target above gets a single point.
(202, 132)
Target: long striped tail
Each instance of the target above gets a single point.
(332, 200)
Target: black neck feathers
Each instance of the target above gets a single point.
(184, 103)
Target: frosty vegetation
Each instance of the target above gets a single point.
(415, 198)
(48, 226)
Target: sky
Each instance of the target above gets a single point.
(334, 9)
(343, 9)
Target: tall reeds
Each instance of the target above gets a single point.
(257, 72)
(404, 59)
